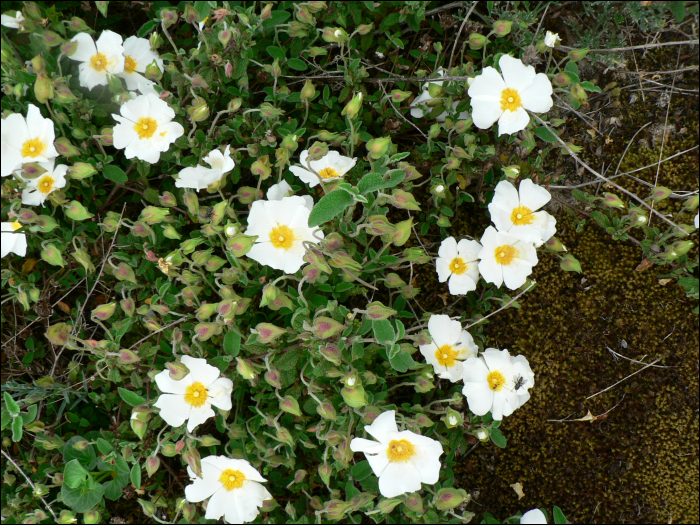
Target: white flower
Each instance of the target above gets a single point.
(137, 56)
(551, 39)
(425, 97)
(37, 190)
(457, 262)
(277, 192)
(282, 227)
(190, 399)
(506, 98)
(401, 460)
(232, 485)
(697, 219)
(11, 241)
(517, 215)
(14, 22)
(199, 177)
(26, 140)
(497, 382)
(98, 59)
(534, 516)
(453, 420)
(145, 128)
(450, 347)
(505, 258)
(331, 166)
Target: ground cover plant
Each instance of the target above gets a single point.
(266, 261)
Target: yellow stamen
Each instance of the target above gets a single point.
(282, 237)
(99, 62)
(33, 148)
(146, 127)
(510, 100)
(505, 254)
(232, 479)
(328, 173)
(522, 215)
(458, 266)
(45, 184)
(496, 380)
(129, 64)
(16, 225)
(446, 355)
(196, 394)
(400, 450)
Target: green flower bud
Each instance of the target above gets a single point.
(52, 255)
(512, 171)
(298, 29)
(397, 96)
(376, 311)
(168, 17)
(422, 420)
(153, 215)
(290, 405)
(325, 471)
(127, 357)
(660, 193)
(414, 502)
(234, 105)
(561, 79)
(81, 170)
(449, 498)
(403, 232)
(290, 143)
(198, 111)
(245, 369)
(379, 147)
(190, 14)
(331, 353)
(327, 411)
(613, 201)
(476, 41)
(78, 25)
(149, 509)
(317, 151)
(106, 137)
(364, 29)
(325, 327)
(268, 332)
(155, 40)
(352, 109)
(177, 370)
(210, 441)
(188, 512)
(434, 131)
(334, 241)
(304, 16)
(354, 396)
(128, 306)
(240, 244)
(554, 245)
(124, 272)
(273, 378)
(104, 312)
(65, 148)
(308, 92)
(452, 418)
(191, 201)
(691, 203)
(168, 450)
(51, 39)
(69, 48)
(502, 27)
(682, 247)
(152, 465)
(43, 88)
(141, 229)
(153, 72)
(423, 385)
(578, 93)
(269, 111)
(577, 54)
(462, 126)
(266, 12)
(569, 263)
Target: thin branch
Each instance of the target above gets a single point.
(461, 28)
(630, 48)
(532, 284)
(157, 331)
(621, 380)
(31, 484)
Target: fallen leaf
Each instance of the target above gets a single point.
(664, 282)
(518, 488)
(63, 306)
(591, 132)
(644, 265)
(588, 417)
(28, 265)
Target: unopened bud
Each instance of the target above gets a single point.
(512, 171)
(682, 247)
(104, 312)
(660, 193)
(198, 111)
(613, 201)
(561, 79)
(65, 148)
(245, 369)
(570, 264)
(325, 327)
(502, 27)
(577, 54)
(290, 405)
(376, 311)
(352, 109)
(449, 498)
(308, 92)
(554, 245)
(354, 396)
(434, 131)
(43, 88)
(325, 471)
(69, 48)
(379, 147)
(268, 332)
(331, 353)
(476, 41)
(153, 71)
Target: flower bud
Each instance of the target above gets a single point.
(240, 244)
(205, 331)
(397, 96)
(613, 201)
(423, 385)
(298, 30)
(660, 193)
(554, 245)
(452, 418)
(327, 411)
(423, 421)
(69, 48)
(269, 111)
(169, 17)
(364, 29)
(127, 357)
(376, 311)
(577, 54)
(325, 327)
(434, 131)
(476, 41)
(379, 147)
(198, 111)
(403, 231)
(682, 247)
(177, 370)
(290, 405)
(578, 93)
(561, 79)
(569, 263)
(43, 88)
(354, 396)
(461, 126)
(290, 143)
(449, 498)
(81, 170)
(691, 203)
(245, 369)
(65, 148)
(308, 92)
(331, 353)
(153, 71)
(266, 12)
(388, 505)
(352, 109)
(268, 332)
(325, 471)
(502, 27)
(139, 427)
(104, 312)
(234, 105)
(52, 255)
(152, 465)
(106, 137)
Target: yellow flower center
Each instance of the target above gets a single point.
(522, 215)
(510, 100)
(129, 65)
(45, 184)
(496, 380)
(16, 225)
(232, 479)
(328, 173)
(400, 450)
(505, 254)
(99, 62)
(196, 394)
(282, 237)
(458, 266)
(33, 148)
(446, 355)
(146, 127)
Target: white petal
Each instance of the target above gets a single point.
(220, 393)
(174, 410)
(515, 274)
(448, 249)
(497, 359)
(532, 195)
(504, 404)
(142, 149)
(32, 197)
(501, 218)
(468, 250)
(201, 489)
(200, 370)
(90, 78)
(486, 111)
(427, 458)
(487, 85)
(86, 48)
(199, 415)
(168, 385)
(247, 500)
(399, 478)
(258, 221)
(545, 224)
(538, 96)
(124, 134)
(218, 504)
(516, 74)
(443, 330)
(506, 196)
(278, 191)
(267, 255)
(443, 269)
(490, 270)
(305, 176)
(382, 426)
(462, 284)
(533, 517)
(479, 397)
(513, 121)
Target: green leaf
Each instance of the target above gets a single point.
(135, 475)
(276, 18)
(361, 470)
(545, 134)
(11, 404)
(330, 206)
(203, 9)
(115, 174)
(104, 446)
(74, 474)
(498, 438)
(130, 397)
(16, 429)
(402, 361)
(558, 514)
(384, 332)
(151, 195)
(276, 52)
(102, 6)
(590, 86)
(374, 181)
(87, 457)
(288, 360)
(113, 488)
(82, 499)
(297, 64)
(232, 343)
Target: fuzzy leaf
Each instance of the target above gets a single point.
(329, 206)
(130, 397)
(115, 174)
